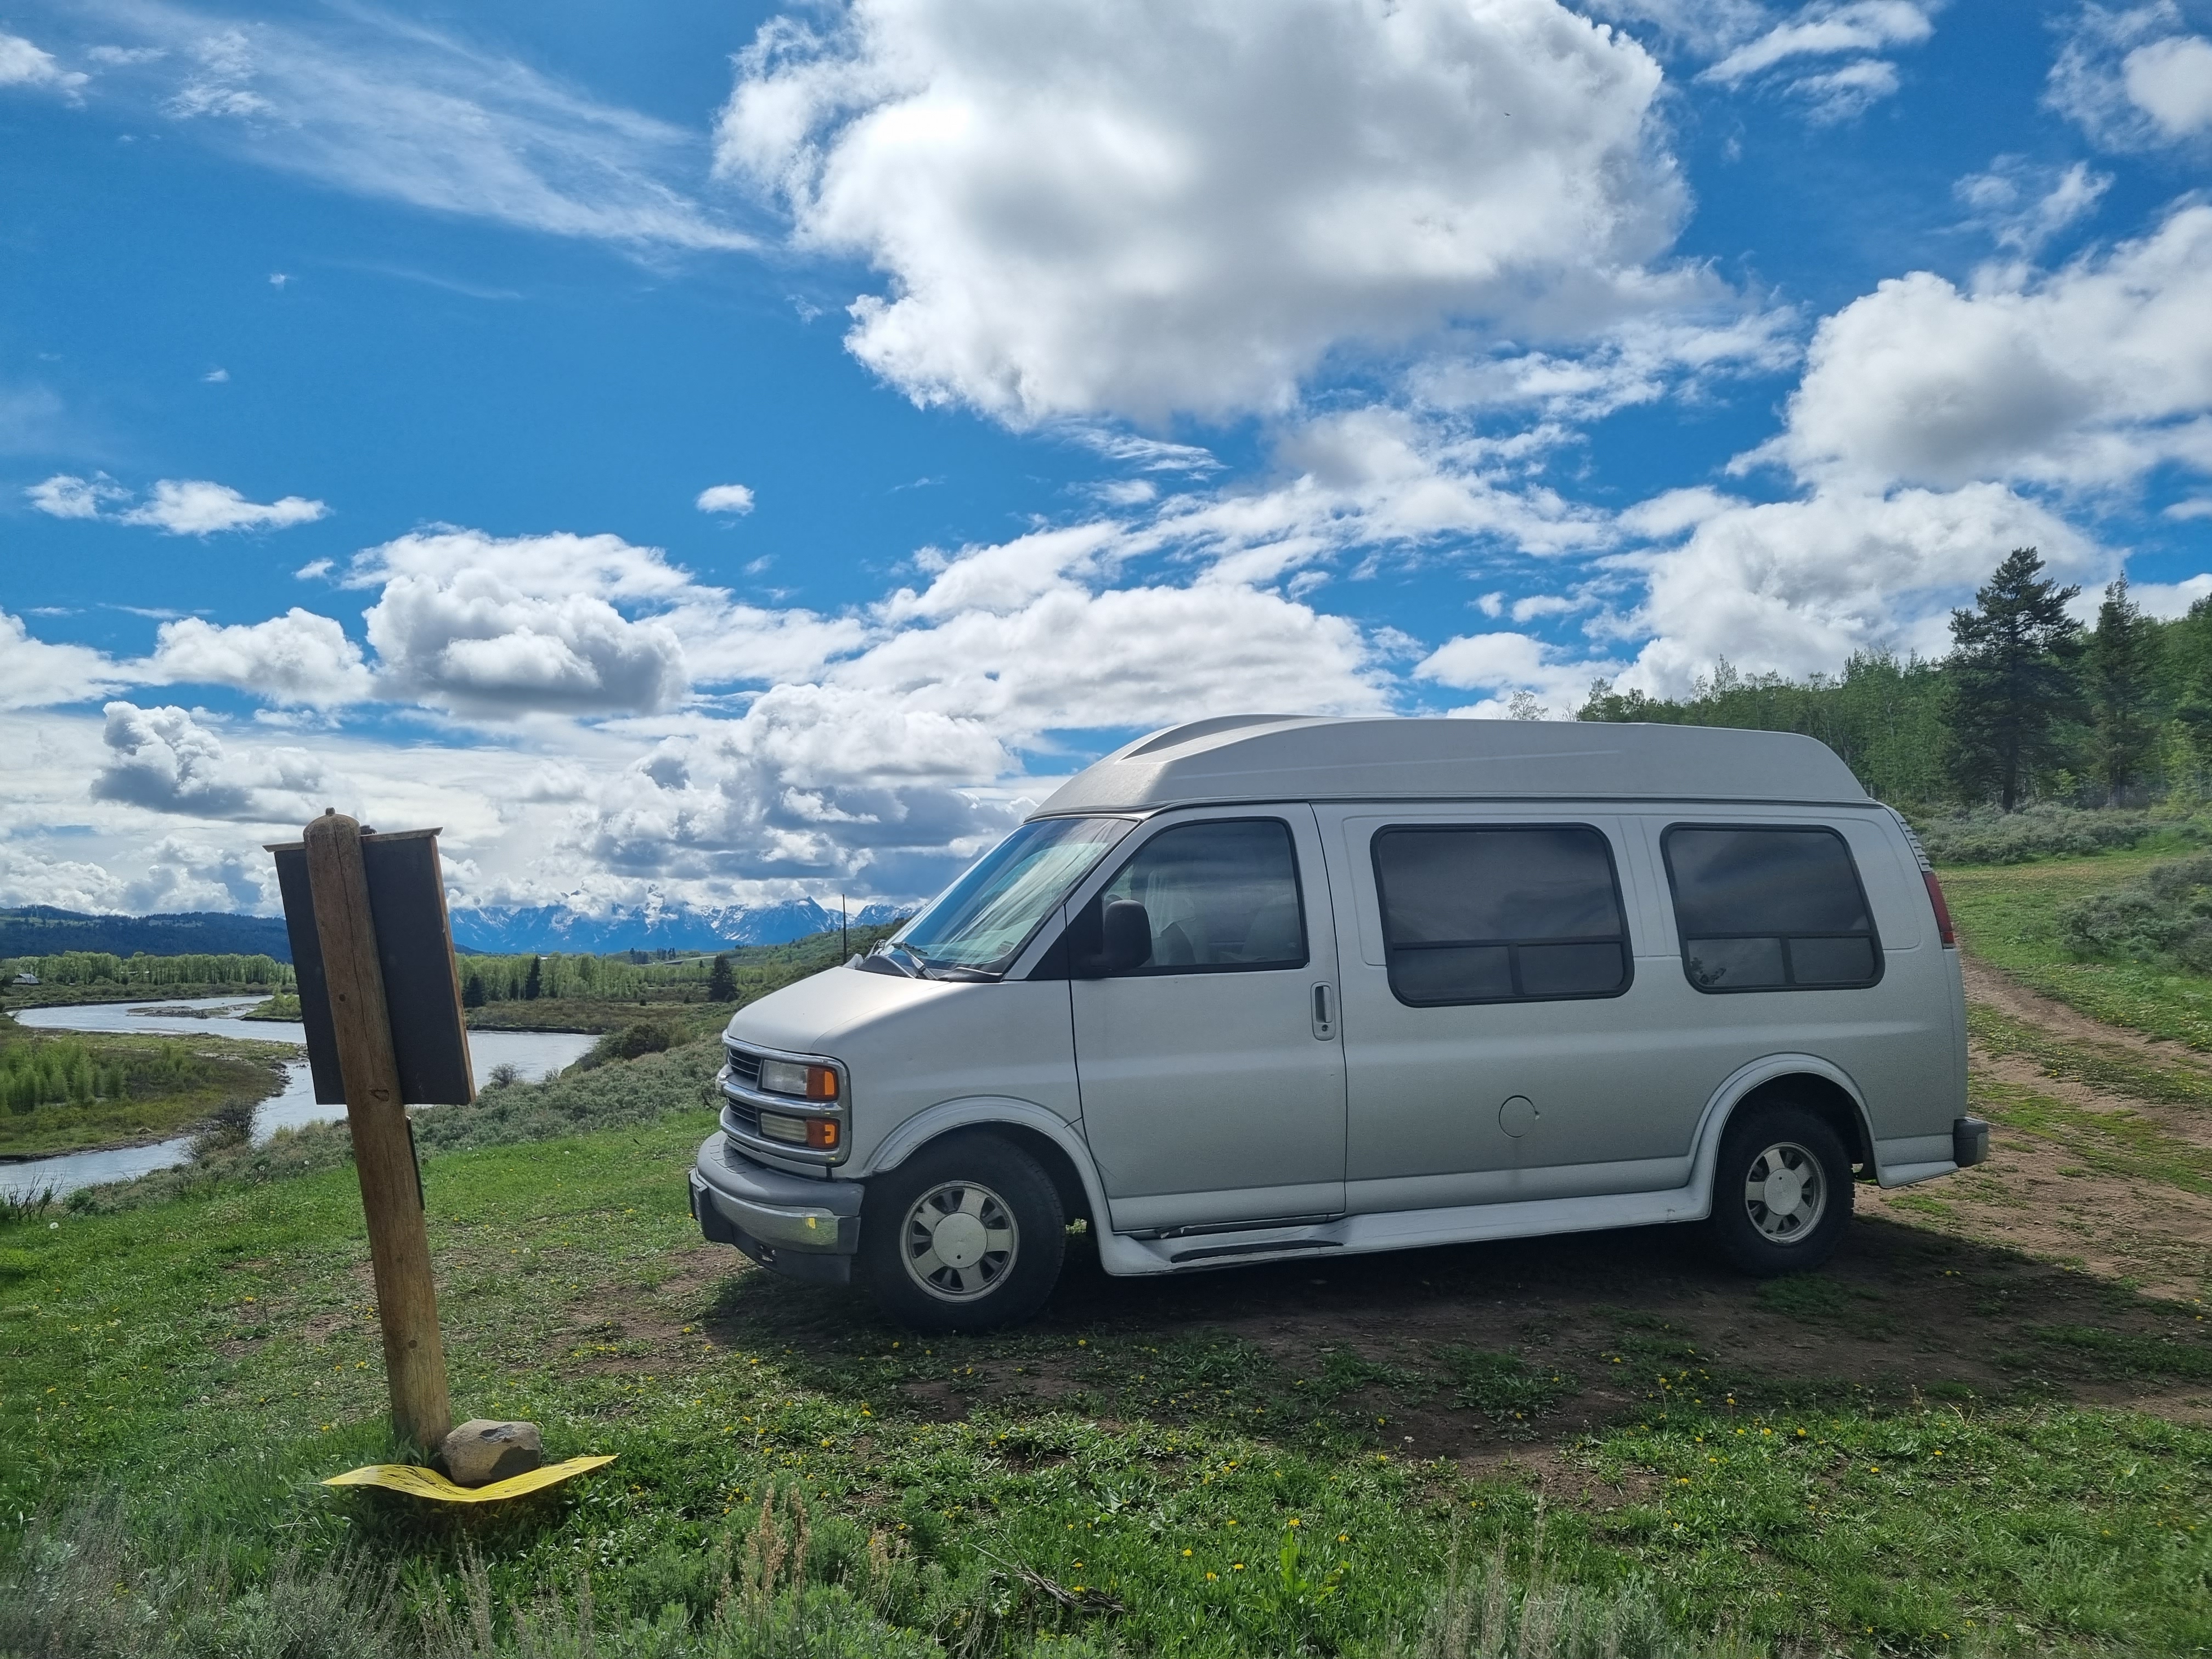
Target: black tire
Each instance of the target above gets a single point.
(1770, 1154)
(969, 1193)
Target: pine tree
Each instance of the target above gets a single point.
(472, 992)
(722, 984)
(2011, 676)
(534, 981)
(2122, 664)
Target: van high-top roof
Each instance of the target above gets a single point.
(1294, 757)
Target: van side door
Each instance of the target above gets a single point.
(1496, 1038)
(1211, 1076)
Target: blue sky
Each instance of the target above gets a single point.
(1058, 371)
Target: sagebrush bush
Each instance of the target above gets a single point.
(633, 1041)
(2163, 919)
(2047, 830)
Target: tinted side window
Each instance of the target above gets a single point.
(1221, 895)
(1477, 913)
(1770, 909)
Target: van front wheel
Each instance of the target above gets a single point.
(964, 1236)
(1782, 1191)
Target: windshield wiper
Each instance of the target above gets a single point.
(905, 959)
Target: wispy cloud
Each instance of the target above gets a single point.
(383, 106)
(180, 506)
(23, 64)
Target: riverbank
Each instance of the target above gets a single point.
(14, 998)
(223, 1025)
(117, 1091)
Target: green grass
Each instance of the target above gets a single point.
(207, 1358)
(2008, 917)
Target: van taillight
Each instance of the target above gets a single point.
(1942, 910)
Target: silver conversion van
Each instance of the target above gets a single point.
(1259, 987)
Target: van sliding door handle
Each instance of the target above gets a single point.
(1324, 1012)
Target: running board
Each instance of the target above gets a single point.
(1259, 1246)
(1123, 1254)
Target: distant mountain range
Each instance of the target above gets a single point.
(547, 927)
(41, 930)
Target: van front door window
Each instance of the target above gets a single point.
(1218, 896)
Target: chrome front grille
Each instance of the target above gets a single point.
(741, 1117)
(744, 1067)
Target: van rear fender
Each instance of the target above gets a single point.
(1802, 1080)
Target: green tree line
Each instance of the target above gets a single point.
(100, 968)
(629, 976)
(2029, 705)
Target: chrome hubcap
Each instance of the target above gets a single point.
(959, 1240)
(1785, 1192)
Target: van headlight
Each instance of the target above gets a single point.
(791, 1076)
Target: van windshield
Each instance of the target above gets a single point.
(976, 927)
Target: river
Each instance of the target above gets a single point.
(533, 1054)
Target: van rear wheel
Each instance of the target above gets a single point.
(1782, 1191)
(965, 1236)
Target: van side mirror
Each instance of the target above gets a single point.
(1112, 940)
(1128, 936)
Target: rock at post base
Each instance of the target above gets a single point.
(482, 1451)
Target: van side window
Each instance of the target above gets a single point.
(1503, 914)
(1222, 894)
(1770, 909)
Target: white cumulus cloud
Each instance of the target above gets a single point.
(2135, 77)
(23, 64)
(488, 625)
(164, 760)
(34, 674)
(1797, 586)
(196, 507)
(296, 657)
(2089, 376)
(1187, 206)
(65, 496)
(725, 498)
(569, 624)
(1502, 662)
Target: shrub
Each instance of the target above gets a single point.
(2047, 830)
(2165, 919)
(631, 1043)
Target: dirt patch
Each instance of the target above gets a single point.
(1993, 987)
(2037, 1197)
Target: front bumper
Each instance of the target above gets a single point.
(799, 1227)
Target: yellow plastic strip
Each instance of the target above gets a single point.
(429, 1483)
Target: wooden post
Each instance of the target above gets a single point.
(383, 1148)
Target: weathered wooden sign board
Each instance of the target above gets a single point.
(382, 1002)
(414, 951)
